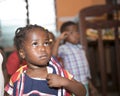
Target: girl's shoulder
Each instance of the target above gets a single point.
(16, 75)
(60, 70)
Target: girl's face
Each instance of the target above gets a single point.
(74, 35)
(36, 49)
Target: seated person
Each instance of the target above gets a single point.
(14, 62)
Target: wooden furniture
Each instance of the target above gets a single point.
(95, 17)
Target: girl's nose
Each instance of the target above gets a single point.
(42, 48)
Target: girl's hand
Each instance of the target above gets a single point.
(56, 80)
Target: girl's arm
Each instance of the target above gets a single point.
(72, 85)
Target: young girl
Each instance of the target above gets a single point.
(42, 76)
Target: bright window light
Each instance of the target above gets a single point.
(42, 12)
(13, 15)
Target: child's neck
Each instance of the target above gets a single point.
(37, 72)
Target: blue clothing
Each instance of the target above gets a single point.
(22, 85)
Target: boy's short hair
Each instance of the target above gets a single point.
(65, 25)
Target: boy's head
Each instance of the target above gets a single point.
(51, 38)
(72, 28)
(32, 43)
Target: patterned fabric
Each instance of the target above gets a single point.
(22, 85)
(75, 61)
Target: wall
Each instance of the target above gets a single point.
(69, 9)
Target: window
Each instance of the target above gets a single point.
(42, 12)
(13, 15)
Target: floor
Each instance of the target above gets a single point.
(111, 94)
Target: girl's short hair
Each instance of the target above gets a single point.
(21, 32)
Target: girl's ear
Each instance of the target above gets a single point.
(22, 54)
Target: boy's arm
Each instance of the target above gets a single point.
(55, 47)
(57, 43)
(93, 89)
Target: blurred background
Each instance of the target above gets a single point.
(51, 14)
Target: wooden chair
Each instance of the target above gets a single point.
(94, 17)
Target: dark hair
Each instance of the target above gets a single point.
(20, 34)
(65, 25)
(50, 33)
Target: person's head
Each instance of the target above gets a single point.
(72, 28)
(51, 38)
(32, 43)
(1, 48)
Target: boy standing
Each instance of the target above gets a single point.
(73, 54)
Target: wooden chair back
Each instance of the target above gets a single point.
(96, 17)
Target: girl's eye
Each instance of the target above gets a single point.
(47, 43)
(34, 44)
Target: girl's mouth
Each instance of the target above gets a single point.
(44, 56)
